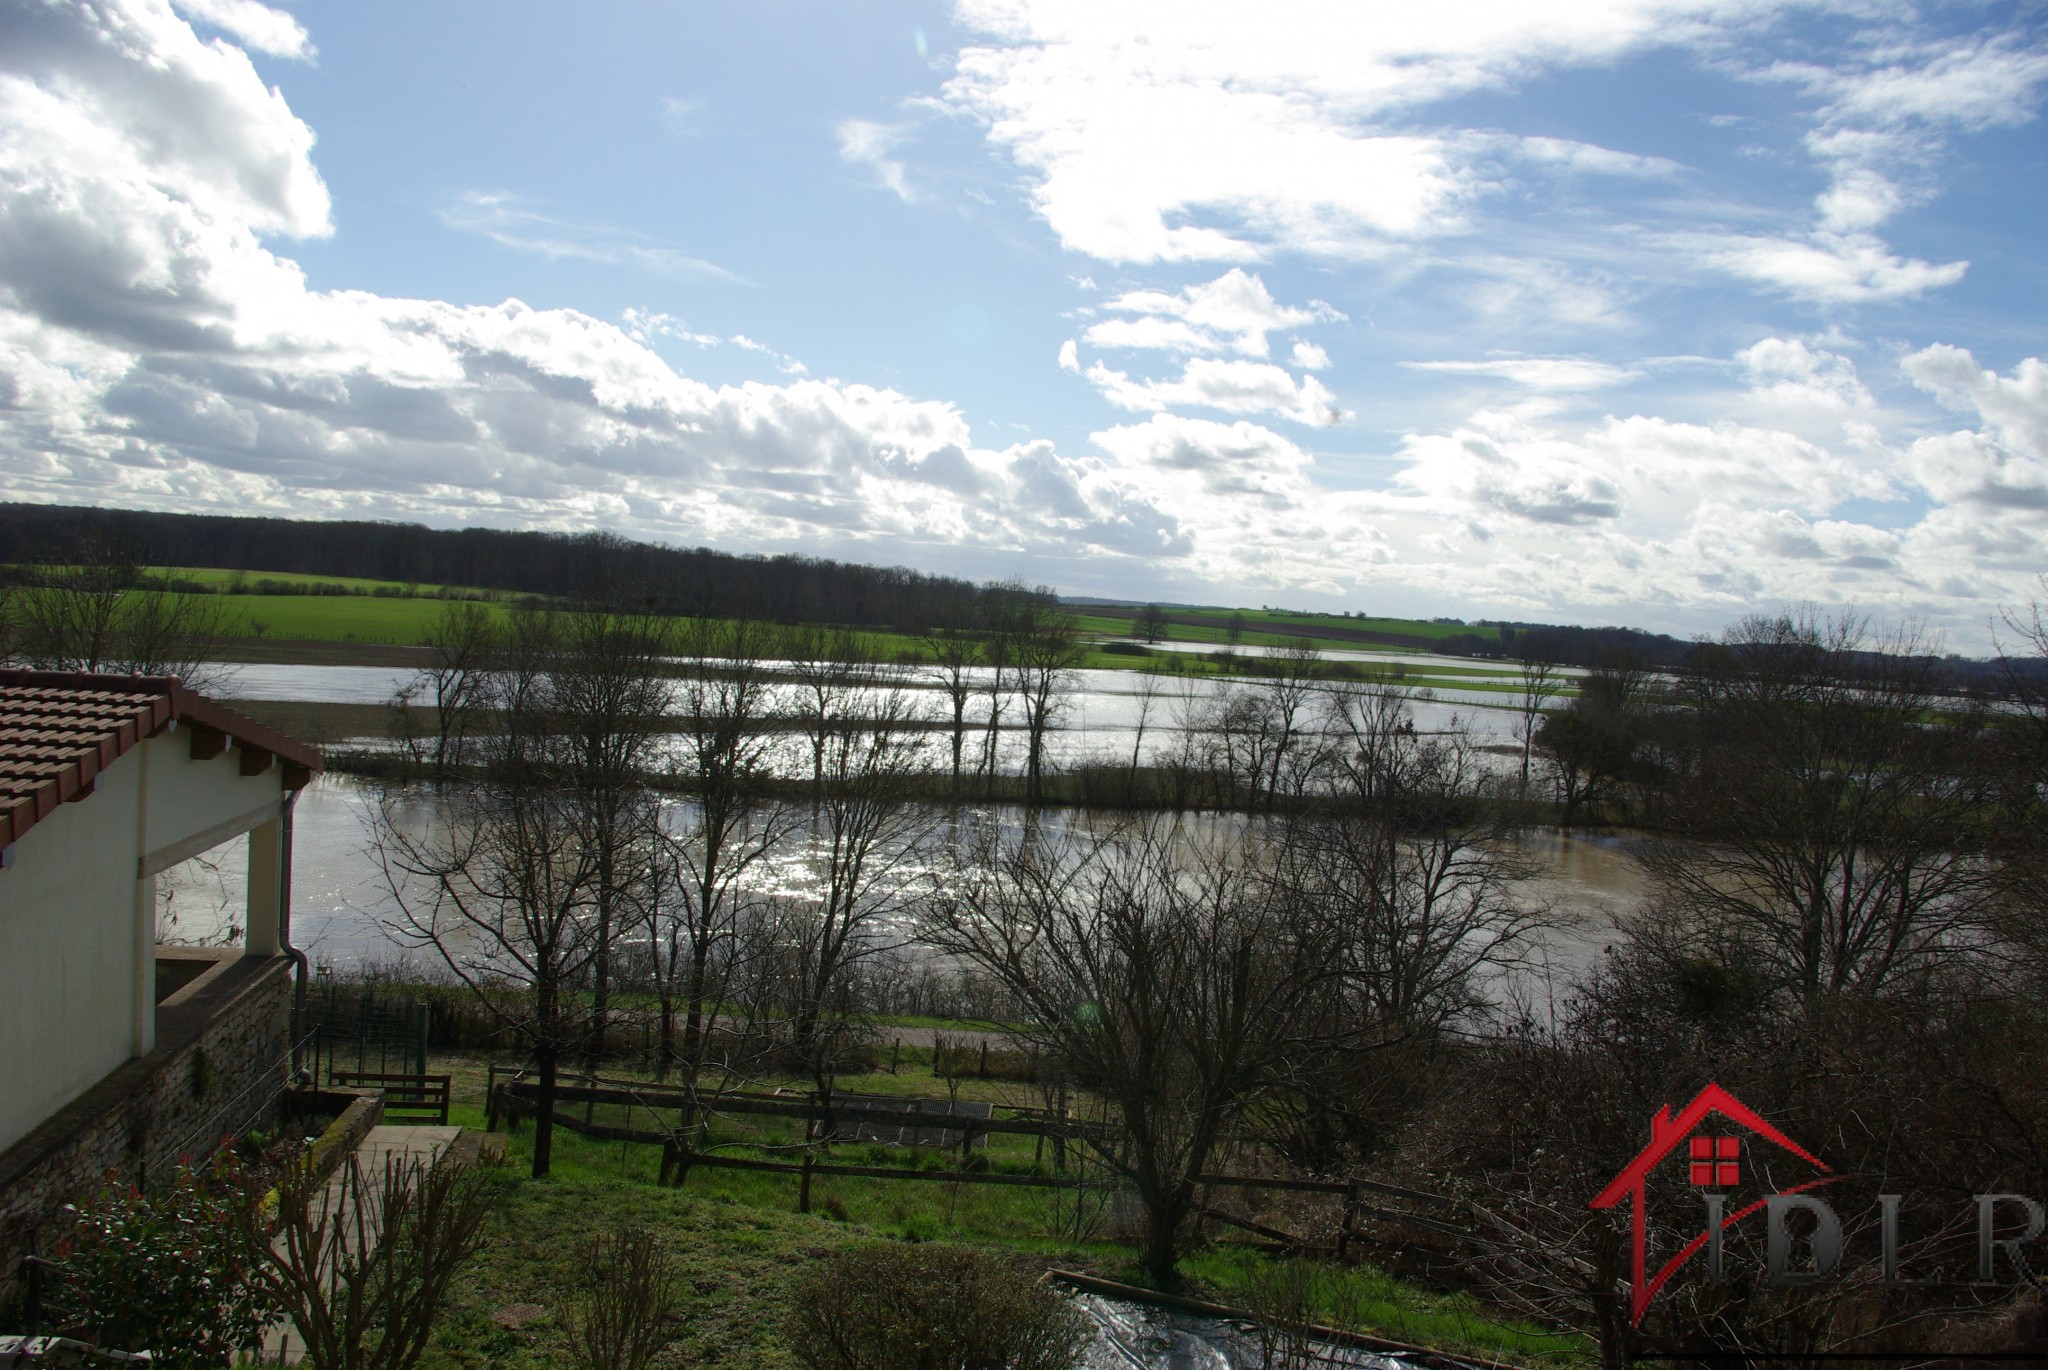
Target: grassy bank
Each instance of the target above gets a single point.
(741, 1250)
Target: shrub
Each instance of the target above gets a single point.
(361, 1266)
(622, 1322)
(164, 1272)
(889, 1307)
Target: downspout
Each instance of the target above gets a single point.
(302, 967)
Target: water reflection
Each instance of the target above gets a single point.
(343, 907)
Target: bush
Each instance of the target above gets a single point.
(164, 1272)
(623, 1320)
(889, 1307)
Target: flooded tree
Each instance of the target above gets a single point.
(504, 888)
(605, 693)
(461, 642)
(693, 906)
(864, 830)
(955, 653)
(1829, 824)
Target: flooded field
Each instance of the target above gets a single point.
(344, 910)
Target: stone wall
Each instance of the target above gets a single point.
(220, 1065)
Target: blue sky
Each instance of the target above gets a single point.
(1645, 311)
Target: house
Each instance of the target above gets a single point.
(1713, 1163)
(118, 1054)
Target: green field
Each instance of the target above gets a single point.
(356, 614)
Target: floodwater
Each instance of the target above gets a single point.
(1132, 1336)
(344, 911)
(1104, 716)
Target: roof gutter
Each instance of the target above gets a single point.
(302, 971)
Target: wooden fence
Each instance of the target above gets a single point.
(1371, 1208)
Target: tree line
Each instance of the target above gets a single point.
(675, 580)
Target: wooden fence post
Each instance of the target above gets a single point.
(1344, 1234)
(803, 1193)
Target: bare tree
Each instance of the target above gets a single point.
(726, 702)
(105, 611)
(1002, 608)
(955, 652)
(1163, 968)
(864, 829)
(1413, 858)
(1149, 687)
(1048, 648)
(832, 667)
(1150, 623)
(462, 639)
(503, 882)
(1539, 684)
(1290, 690)
(1828, 824)
(606, 696)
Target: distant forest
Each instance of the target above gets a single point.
(673, 580)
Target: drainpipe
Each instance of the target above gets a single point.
(302, 967)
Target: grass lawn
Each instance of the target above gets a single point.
(741, 1249)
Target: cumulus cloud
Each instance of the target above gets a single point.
(1237, 387)
(2002, 465)
(1309, 357)
(1232, 313)
(1787, 372)
(252, 25)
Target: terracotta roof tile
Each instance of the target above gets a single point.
(59, 730)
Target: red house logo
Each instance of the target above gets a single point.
(1713, 1160)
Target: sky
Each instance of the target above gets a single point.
(1657, 312)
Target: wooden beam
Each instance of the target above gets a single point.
(207, 743)
(255, 760)
(297, 777)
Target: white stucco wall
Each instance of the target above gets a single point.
(77, 973)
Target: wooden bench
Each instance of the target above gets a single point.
(407, 1098)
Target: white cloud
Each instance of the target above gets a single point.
(1570, 155)
(1070, 356)
(1309, 357)
(1975, 82)
(644, 325)
(1788, 373)
(253, 25)
(2003, 464)
(1832, 268)
(1237, 387)
(1554, 374)
(498, 216)
(1178, 131)
(1233, 313)
(864, 142)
